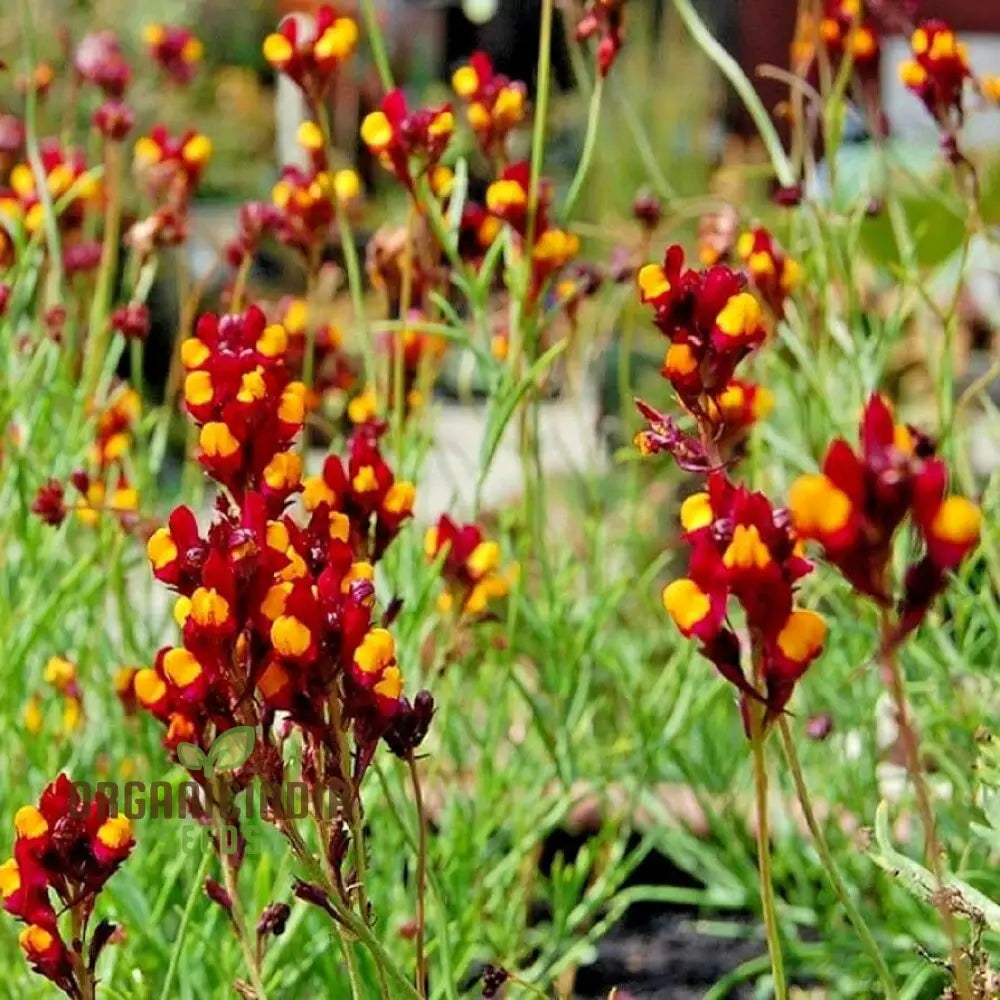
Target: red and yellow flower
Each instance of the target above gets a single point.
(495, 105)
(176, 50)
(67, 847)
(311, 55)
(856, 504)
(409, 144)
(712, 323)
(744, 551)
(772, 272)
(938, 70)
(470, 566)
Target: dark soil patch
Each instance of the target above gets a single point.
(667, 959)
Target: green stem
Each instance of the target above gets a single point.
(238, 915)
(398, 354)
(910, 739)
(355, 283)
(175, 954)
(421, 877)
(731, 70)
(541, 115)
(377, 42)
(55, 282)
(764, 855)
(642, 144)
(829, 865)
(589, 145)
(99, 332)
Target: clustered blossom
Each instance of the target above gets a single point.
(938, 71)
(99, 61)
(508, 198)
(310, 56)
(409, 144)
(67, 848)
(175, 50)
(303, 205)
(846, 28)
(60, 675)
(772, 272)
(470, 567)
(604, 19)
(65, 174)
(168, 169)
(276, 615)
(167, 163)
(712, 323)
(248, 411)
(743, 550)
(854, 507)
(107, 470)
(495, 105)
(373, 504)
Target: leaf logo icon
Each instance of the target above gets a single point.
(230, 750)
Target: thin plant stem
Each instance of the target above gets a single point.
(421, 876)
(643, 146)
(932, 848)
(176, 951)
(351, 961)
(233, 891)
(589, 145)
(355, 284)
(99, 333)
(757, 738)
(731, 70)
(309, 355)
(240, 284)
(55, 283)
(829, 865)
(544, 76)
(377, 42)
(399, 351)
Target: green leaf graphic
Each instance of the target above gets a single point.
(232, 749)
(191, 756)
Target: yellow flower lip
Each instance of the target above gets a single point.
(652, 282)
(209, 608)
(686, 603)
(161, 548)
(696, 512)
(957, 521)
(505, 194)
(277, 49)
(741, 316)
(218, 441)
(746, 550)
(115, 833)
(149, 687)
(181, 667)
(376, 131)
(465, 81)
(485, 558)
(29, 823)
(290, 636)
(400, 498)
(35, 940)
(10, 878)
(376, 652)
(802, 636)
(818, 507)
